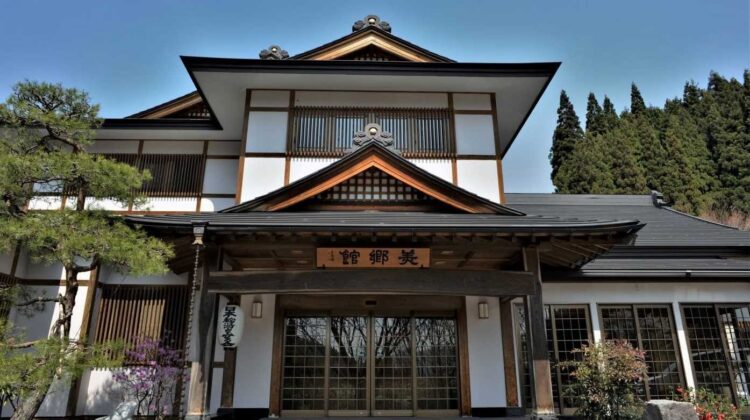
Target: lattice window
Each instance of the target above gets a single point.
(328, 131)
(650, 328)
(130, 312)
(719, 342)
(371, 53)
(198, 111)
(171, 175)
(369, 186)
(567, 328)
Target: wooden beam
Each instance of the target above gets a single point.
(509, 353)
(542, 400)
(431, 282)
(230, 365)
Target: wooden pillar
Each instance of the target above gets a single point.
(202, 364)
(230, 364)
(539, 365)
(463, 360)
(509, 353)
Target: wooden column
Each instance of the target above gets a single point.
(463, 361)
(202, 363)
(230, 364)
(539, 366)
(509, 353)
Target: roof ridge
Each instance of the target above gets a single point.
(701, 219)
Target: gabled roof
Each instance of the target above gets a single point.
(373, 155)
(170, 107)
(372, 35)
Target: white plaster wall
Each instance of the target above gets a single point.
(253, 375)
(374, 99)
(215, 398)
(225, 148)
(486, 369)
(220, 176)
(261, 175)
(45, 203)
(99, 394)
(472, 101)
(100, 204)
(302, 167)
(475, 135)
(110, 276)
(440, 168)
(269, 98)
(173, 147)
(479, 177)
(184, 204)
(266, 132)
(216, 204)
(114, 146)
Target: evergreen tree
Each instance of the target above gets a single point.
(587, 170)
(627, 175)
(567, 133)
(609, 115)
(637, 105)
(594, 116)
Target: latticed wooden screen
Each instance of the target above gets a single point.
(372, 185)
(171, 175)
(128, 313)
(328, 131)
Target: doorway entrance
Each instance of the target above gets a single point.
(369, 365)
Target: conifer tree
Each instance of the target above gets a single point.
(637, 105)
(567, 133)
(609, 115)
(587, 169)
(594, 116)
(627, 175)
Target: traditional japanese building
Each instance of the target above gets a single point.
(347, 205)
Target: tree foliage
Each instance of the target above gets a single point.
(45, 130)
(567, 133)
(695, 149)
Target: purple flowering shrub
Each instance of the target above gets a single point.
(151, 380)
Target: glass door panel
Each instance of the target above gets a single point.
(436, 365)
(392, 393)
(347, 372)
(304, 365)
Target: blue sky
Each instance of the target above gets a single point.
(126, 54)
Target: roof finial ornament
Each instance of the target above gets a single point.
(274, 52)
(371, 20)
(372, 133)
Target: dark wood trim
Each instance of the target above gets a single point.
(203, 176)
(230, 366)
(475, 157)
(463, 360)
(211, 195)
(425, 281)
(269, 109)
(287, 170)
(265, 154)
(218, 157)
(47, 282)
(274, 406)
(500, 180)
(243, 148)
(542, 399)
(454, 171)
(509, 353)
(472, 112)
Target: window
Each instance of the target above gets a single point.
(719, 342)
(328, 131)
(568, 327)
(171, 175)
(650, 328)
(128, 312)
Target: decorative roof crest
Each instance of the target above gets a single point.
(372, 133)
(371, 20)
(274, 52)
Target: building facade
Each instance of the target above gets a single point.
(348, 203)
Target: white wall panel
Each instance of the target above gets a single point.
(262, 175)
(101, 204)
(45, 203)
(302, 167)
(486, 368)
(226, 148)
(269, 98)
(479, 177)
(440, 168)
(216, 204)
(185, 204)
(266, 132)
(173, 147)
(472, 101)
(108, 275)
(374, 99)
(99, 394)
(254, 354)
(114, 146)
(475, 135)
(220, 177)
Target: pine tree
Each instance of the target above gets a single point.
(609, 115)
(594, 116)
(637, 105)
(568, 132)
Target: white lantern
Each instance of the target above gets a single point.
(231, 324)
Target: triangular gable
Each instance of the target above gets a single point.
(372, 41)
(371, 160)
(190, 106)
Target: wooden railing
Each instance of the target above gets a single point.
(328, 131)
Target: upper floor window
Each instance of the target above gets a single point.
(171, 175)
(328, 131)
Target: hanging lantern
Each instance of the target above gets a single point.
(231, 325)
